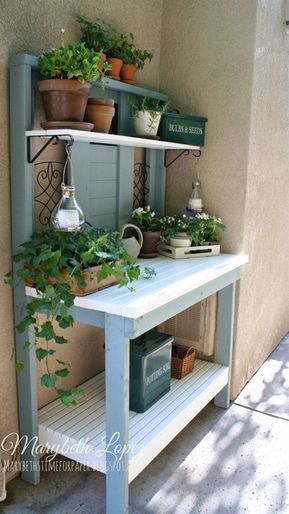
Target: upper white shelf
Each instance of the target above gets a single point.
(110, 139)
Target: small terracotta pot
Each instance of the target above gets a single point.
(102, 60)
(150, 244)
(63, 99)
(100, 101)
(100, 115)
(127, 73)
(116, 65)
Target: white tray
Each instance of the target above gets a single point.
(189, 251)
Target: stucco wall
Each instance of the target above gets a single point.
(229, 61)
(28, 27)
(264, 301)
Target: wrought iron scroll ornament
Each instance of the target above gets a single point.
(140, 190)
(49, 175)
(48, 179)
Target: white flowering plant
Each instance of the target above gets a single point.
(201, 228)
(146, 219)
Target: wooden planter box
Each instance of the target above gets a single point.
(90, 278)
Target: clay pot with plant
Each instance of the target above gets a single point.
(97, 36)
(114, 56)
(147, 114)
(133, 59)
(147, 221)
(66, 73)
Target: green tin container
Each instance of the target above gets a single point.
(183, 128)
(150, 369)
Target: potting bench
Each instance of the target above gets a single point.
(101, 432)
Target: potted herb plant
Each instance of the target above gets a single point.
(147, 114)
(115, 53)
(133, 59)
(184, 231)
(149, 224)
(66, 73)
(97, 35)
(60, 265)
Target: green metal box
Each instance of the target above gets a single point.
(183, 128)
(150, 369)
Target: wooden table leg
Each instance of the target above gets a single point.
(117, 414)
(224, 338)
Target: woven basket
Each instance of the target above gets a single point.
(183, 359)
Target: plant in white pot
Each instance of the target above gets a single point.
(147, 114)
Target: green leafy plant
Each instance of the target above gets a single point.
(201, 228)
(74, 61)
(146, 219)
(146, 103)
(130, 54)
(43, 261)
(97, 35)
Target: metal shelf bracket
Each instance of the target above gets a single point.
(195, 153)
(52, 139)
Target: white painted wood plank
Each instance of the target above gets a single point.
(85, 425)
(110, 139)
(181, 277)
(158, 440)
(174, 278)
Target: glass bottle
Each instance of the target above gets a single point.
(67, 215)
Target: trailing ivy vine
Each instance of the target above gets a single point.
(43, 261)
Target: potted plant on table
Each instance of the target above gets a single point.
(60, 265)
(184, 231)
(147, 112)
(147, 221)
(66, 73)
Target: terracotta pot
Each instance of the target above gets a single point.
(116, 65)
(150, 244)
(100, 101)
(127, 73)
(100, 115)
(89, 276)
(63, 99)
(102, 60)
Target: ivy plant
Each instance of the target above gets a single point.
(42, 261)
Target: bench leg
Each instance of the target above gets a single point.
(224, 339)
(117, 414)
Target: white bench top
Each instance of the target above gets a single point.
(173, 279)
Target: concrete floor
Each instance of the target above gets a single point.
(234, 461)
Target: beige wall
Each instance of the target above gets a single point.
(230, 64)
(28, 27)
(264, 303)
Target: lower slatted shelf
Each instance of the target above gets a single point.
(79, 432)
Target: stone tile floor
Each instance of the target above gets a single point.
(234, 461)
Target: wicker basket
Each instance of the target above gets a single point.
(183, 359)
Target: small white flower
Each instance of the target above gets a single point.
(137, 211)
